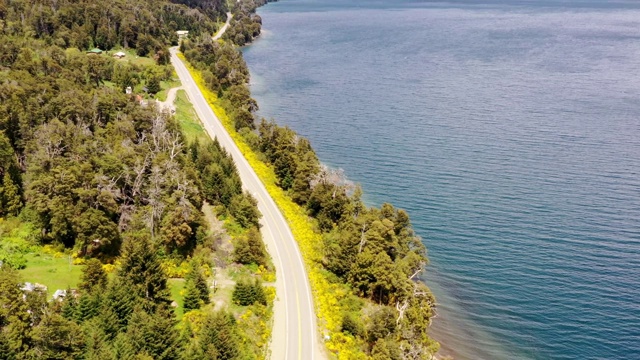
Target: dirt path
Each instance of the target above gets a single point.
(171, 98)
(220, 32)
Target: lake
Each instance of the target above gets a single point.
(510, 132)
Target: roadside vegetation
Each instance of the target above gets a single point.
(134, 215)
(364, 263)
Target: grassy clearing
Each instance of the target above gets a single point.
(176, 286)
(166, 85)
(37, 264)
(133, 58)
(188, 119)
(55, 271)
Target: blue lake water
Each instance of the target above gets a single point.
(509, 130)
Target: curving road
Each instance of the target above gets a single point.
(295, 334)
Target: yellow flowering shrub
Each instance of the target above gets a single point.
(327, 295)
(175, 271)
(109, 268)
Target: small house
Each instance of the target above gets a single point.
(128, 90)
(119, 55)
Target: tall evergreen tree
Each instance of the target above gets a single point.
(219, 337)
(10, 196)
(140, 266)
(93, 277)
(15, 319)
(154, 334)
(96, 341)
(57, 338)
(194, 276)
(191, 297)
(120, 300)
(250, 249)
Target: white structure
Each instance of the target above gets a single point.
(32, 287)
(182, 34)
(119, 55)
(59, 295)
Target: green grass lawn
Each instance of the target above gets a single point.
(166, 85)
(133, 58)
(188, 119)
(55, 273)
(176, 286)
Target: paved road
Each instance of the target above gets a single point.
(295, 334)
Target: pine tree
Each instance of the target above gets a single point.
(93, 277)
(140, 266)
(10, 196)
(69, 306)
(194, 276)
(120, 299)
(5, 351)
(191, 297)
(122, 348)
(14, 314)
(154, 334)
(88, 307)
(108, 321)
(244, 209)
(57, 338)
(219, 337)
(248, 293)
(153, 85)
(96, 341)
(249, 249)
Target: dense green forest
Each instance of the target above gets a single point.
(112, 181)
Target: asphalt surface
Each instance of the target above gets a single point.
(295, 334)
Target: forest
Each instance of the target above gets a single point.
(109, 179)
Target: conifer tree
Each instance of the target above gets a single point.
(120, 299)
(248, 293)
(140, 266)
(69, 306)
(15, 319)
(10, 196)
(191, 297)
(57, 338)
(194, 276)
(5, 350)
(93, 277)
(88, 307)
(218, 337)
(154, 334)
(122, 348)
(96, 341)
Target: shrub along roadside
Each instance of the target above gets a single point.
(328, 295)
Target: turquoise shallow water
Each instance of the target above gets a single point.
(510, 131)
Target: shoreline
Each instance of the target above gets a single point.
(444, 352)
